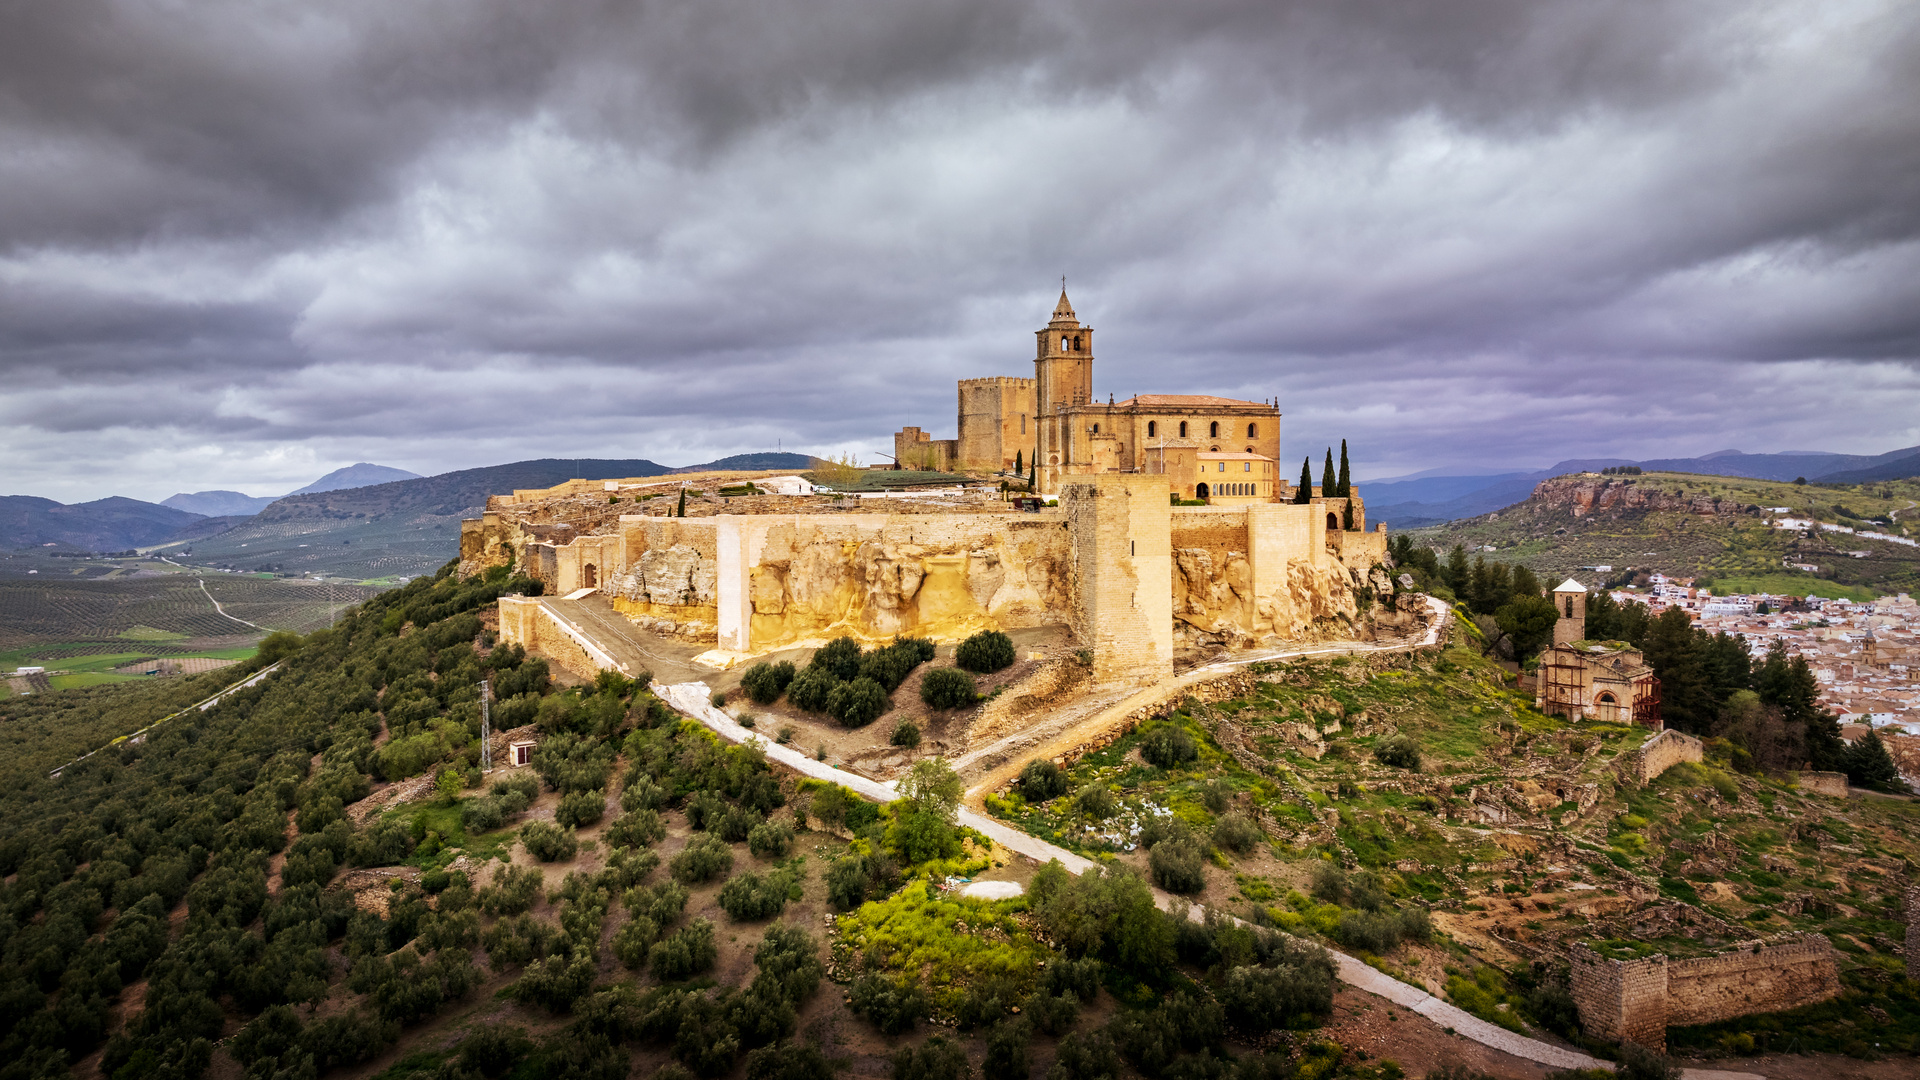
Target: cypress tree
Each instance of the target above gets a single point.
(1018, 465)
(683, 502)
(1346, 519)
(1346, 478)
(1305, 494)
(1327, 490)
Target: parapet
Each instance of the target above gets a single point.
(1636, 1000)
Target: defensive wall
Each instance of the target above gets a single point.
(1662, 751)
(1637, 1000)
(1832, 784)
(1132, 576)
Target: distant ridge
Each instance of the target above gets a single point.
(363, 474)
(111, 524)
(744, 462)
(219, 503)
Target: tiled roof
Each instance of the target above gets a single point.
(1186, 401)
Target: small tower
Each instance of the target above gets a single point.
(1570, 600)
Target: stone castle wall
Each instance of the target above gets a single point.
(1658, 754)
(1637, 1000)
(1832, 784)
(996, 423)
(1122, 588)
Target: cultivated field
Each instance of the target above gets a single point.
(169, 615)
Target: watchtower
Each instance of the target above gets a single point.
(1570, 600)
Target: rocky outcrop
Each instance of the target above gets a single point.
(1586, 494)
(1214, 601)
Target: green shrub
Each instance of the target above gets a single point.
(947, 688)
(1152, 1038)
(1179, 866)
(1096, 802)
(984, 652)
(891, 664)
(1085, 1056)
(636, 828)
(548, 842)
(684, 953)
(905, 733)
(1236, 833)
(854, 879)
(1168, 746)
(512, 891)
(1398, 751)
(1042, 780)
(482, 815)
(1297, 986)
(770, 840)
(811, 688)
(1053, 1014)
(891, 1005)
(749, 896)
(839, 658)
(1007, 1051)
(765, 682)
(857, 703)
(737, 823)
(702, 860)
(579, 808)
(1377, 932)
(784, 1062)
(939, 1058)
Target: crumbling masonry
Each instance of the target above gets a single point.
(1637, 1000)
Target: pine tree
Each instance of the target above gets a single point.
(1346, 478)
(1305, 494)
(1327, 490)
(1870, 766)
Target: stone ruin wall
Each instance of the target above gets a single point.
(1659, 753)
(876, 576)
(1637, 1000)
(1832, 784)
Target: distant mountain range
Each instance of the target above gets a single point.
(1408, 502)
(375, 520)
(236, 504)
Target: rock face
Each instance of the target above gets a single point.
(1215, 602)
(1589, 494)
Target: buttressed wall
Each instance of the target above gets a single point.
(1637, 1000)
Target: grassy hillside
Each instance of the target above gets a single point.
(1549, 537)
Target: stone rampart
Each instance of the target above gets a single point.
(1661, 752)
(1824, 783)
(527, 622)
(1637, 1000)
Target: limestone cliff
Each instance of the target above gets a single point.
(1588, 494)
(1214, 601)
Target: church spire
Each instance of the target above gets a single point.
(1063, 311)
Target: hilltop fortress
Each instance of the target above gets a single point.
(1134, 578)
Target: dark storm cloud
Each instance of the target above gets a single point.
(265, 240)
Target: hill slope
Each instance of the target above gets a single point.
(219, 503)
(111, 524)
(362, 474)
(1691, 525)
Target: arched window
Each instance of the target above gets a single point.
(1249, 449)
(1253, 431)
(1096, 429)
(1333, 522)
(1183, 429)
(1606, 698)
(1063, 343)
(1023, 423)
(1569, 607)
(1152, 429)
(1076, 343)
(1213, 430)
(1201, 491)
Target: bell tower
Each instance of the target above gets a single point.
(1570, 600)
(1063, 364)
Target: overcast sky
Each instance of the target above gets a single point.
(244, 242)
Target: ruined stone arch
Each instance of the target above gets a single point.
(589, 576)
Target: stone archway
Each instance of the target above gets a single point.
(589, 577)
(1201, 491)
(1333, 522)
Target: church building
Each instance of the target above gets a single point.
(1213, 449)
